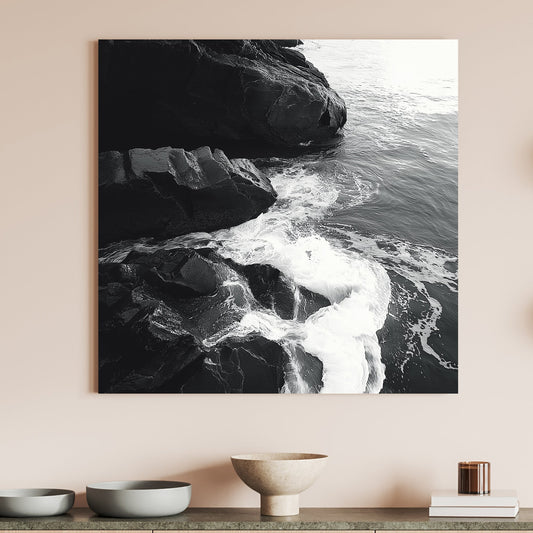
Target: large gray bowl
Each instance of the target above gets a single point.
(138, 499)
(35, 502)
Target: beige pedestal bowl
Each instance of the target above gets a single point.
(279, 478)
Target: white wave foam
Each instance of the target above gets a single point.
(421, 265)
(342, 335)
(303, 192)
(426, 325)
(415, 262)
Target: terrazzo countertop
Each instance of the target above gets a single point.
(250, 519)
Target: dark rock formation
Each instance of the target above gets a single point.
(188, 93)
(274, 291)
(166, 324)
(250, 364)
(180, 273)
(310, 370)
(288, 43)
(167, 192)
(140, 347)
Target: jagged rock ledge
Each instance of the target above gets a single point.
(156, 309)
(188, 93)
(167, 192)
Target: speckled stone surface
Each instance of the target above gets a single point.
(250, 519)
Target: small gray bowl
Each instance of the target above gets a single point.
(138, 499)
(35, 502)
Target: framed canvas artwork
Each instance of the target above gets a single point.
(278, 216)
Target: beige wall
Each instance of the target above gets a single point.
(385, 450)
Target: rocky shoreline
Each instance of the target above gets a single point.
(165, 324)
(168, 191)
(195, 93)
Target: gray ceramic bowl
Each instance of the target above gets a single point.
(138, 499)
(35, 502)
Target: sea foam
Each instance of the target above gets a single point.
(422, 266)
(342, 335)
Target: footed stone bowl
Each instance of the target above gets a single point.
(279, 478)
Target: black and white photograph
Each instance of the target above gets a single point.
(278, 216)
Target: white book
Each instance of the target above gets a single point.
(496, 498)
(493, 512)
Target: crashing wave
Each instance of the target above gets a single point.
(343, 335)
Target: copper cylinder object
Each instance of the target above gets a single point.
(474, 477)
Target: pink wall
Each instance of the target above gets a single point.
(385, 450)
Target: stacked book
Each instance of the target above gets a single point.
(496, 504)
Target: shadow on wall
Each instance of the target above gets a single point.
(525, 313)
(529, 319)
(209, 482)
(528, 322)
(404, 494)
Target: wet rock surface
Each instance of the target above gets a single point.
(275, 291)
(251, 364)
(167, 324)
(170, 316)
(168, 191)
(188, 93)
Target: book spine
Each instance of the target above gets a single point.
(473, 502)
(489, 512)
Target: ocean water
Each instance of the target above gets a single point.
(399, 149)
(369, 222)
